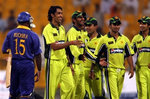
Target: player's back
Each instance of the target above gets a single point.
(24, 44)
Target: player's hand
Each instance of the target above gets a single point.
(131, 73)
(149, 66)
(92, 74)
(72, 70)
(76, 42)
(37, 76)
(102, 62)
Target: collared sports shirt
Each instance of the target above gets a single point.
(114, 50)
(51, 35)
(141, 45)
(23, 43)
(90, 49)
(74, 51)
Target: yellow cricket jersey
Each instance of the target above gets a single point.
(74, 51)
(90, 49)
(53, 34)
(142, 47)
(114, 50)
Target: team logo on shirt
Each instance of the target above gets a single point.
(111, 42)
(95, 43)
(54, 34)
(116, 50)
(144, 49)
(121, 42)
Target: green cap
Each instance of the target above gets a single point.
(144, 19)
(90, 21)
(78, 14)
(115, 20)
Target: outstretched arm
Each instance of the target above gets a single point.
(57, 45)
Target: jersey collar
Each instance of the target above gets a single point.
(54, 25)
(23, 27)
(141, 33)
(76, 28)
(109, 35)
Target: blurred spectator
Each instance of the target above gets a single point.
(12, 23)
(3, 23)
(81, 2)
(131, 6)
(106, 5)
(116, 10)
(100, 18)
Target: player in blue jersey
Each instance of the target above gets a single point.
(24, 45)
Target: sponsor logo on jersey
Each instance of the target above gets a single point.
(61, 42)
(116, 50)
(144, 49)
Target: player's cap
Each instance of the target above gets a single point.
(78, 14)
(144, 19)
(115, 20)
(90, 21)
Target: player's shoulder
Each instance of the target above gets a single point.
(124, 37)
(71, 30)
(12, 31)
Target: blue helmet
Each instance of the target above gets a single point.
(24, 17)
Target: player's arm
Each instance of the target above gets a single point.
(129, 54)
(57, 45)
(37, 55)
(73, 48)
(133, 45)
(38, 61)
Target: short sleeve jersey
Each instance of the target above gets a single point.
(141, 45)
(53, 34)
(23, 43)
(76, 34)
(115, 50)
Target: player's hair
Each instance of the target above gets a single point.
(52, 10)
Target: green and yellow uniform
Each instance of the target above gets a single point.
(92, 85)
(59, 71)
(74, 53)
(115, 51)
(141, 46)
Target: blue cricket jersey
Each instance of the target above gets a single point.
(23, 43)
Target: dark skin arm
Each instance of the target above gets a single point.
(57, 46)
(38, 61)
(130, 62)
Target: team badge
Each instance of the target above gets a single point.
(54, 34)
(138, 42)
(111, 42)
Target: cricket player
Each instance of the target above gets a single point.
(57, 71)
(91, 69)
(141, 46)
(76, 53)
(25, 46)
(115, 47)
